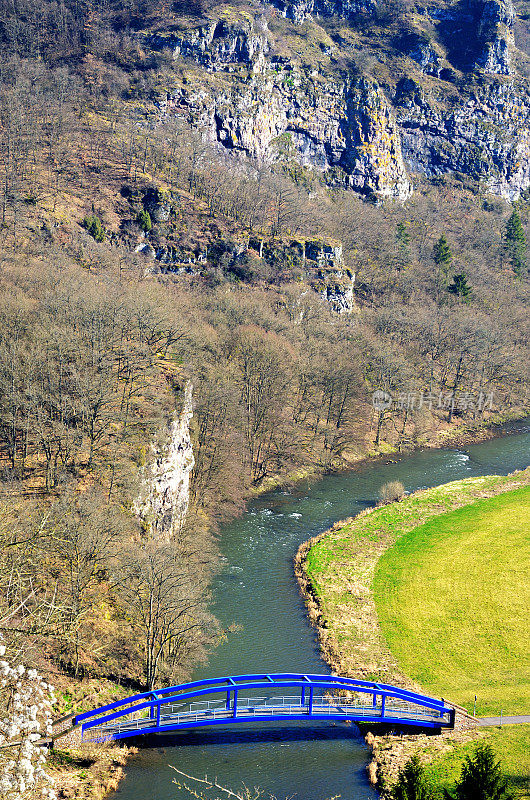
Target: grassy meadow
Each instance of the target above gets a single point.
(452, 599)
(341, 563)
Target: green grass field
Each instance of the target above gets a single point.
(453, 598)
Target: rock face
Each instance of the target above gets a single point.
(259, 102)
(345, 130)
(425, 56)
(372, 158)
(217, 44)
(495, 36)
(339, 294)
(164, 497)
(332, 279)
(298, 10)
(487, 137)
(157, 204)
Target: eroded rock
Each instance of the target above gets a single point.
(164, 496)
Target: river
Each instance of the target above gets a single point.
(256, 590)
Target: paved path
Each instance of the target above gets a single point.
(505, 720)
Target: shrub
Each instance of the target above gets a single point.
(144, 220)
(393, 490)
(95, 227)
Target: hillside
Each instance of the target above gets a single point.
(260, 265)
(365, 95)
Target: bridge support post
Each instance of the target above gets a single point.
(158, 714)
(235, 704)
(311, 700)
(383, 698)
(302, 699)
(228, 701)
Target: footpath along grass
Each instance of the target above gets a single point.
(453, 597)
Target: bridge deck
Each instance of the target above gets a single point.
(264, 713)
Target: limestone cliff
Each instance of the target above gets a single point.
(447, 97)
(163, 501)
(344, 128)
(298, 10)
(487, 137)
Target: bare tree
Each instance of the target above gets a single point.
(165, 599)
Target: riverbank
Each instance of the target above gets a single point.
(85, 771)
(336, 575)
(440, 435)
(88, 771)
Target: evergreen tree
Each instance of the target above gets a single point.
(95, 228)
(516, 243)
(442, 254)
(144, 220)
(402, 234)
(460, 286)
(481, 778)
(411, 783)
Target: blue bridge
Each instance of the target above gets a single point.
(262, 698)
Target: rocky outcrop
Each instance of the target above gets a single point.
(330, 277)
(426, 56)
(372, 157)
(163, 501)
(157, 203)
(343, 129)
(338, 292)
(299, 10)
(276, 108)
(296, 10)
(319, 263)
(219, 43)
(486, 136)
(495, 36)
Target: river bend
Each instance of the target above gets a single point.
(256, 590)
